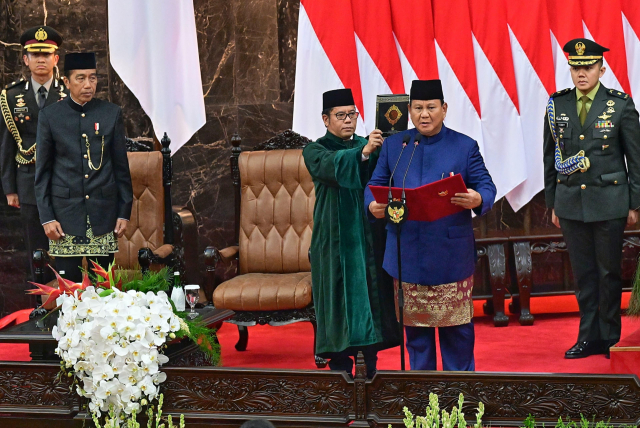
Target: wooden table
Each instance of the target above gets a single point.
(37, 333)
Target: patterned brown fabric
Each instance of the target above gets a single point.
(436, 306)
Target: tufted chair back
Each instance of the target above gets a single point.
(276, 216)
(145, 228)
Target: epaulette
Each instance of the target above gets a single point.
(15, 83)
(562, 92)
(618, 94)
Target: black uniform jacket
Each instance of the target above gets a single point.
(610, 134)
(67, 190)
(20, 112)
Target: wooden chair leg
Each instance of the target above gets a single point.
(498, 272)
(320, 362)
(524, 268)
(243, 339)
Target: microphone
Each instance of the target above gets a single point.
(405, 141)
(416, 141)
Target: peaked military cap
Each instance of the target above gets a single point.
(337, 98)
(426, 90)
(41, 39)
(584, 52)
(80, 61)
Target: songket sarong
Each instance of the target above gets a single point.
(436, 305)
(89, 245)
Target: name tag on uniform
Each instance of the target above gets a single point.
(21, 110)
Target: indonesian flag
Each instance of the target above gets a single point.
(498, 60)
(153, 47)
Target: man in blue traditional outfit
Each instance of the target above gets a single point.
(354, 310)
(438, 258)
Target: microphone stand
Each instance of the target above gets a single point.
(397, 213)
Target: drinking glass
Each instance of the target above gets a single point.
(192, 293)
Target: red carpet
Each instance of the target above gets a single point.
(539, 348)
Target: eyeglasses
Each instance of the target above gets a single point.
(342, 115)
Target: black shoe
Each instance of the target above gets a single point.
(585, 349)
(608, 345)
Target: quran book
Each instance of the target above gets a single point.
(392, 113)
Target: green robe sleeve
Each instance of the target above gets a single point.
(337, 168)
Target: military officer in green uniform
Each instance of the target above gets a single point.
(83, 185)
(589, 133)
(20, 103)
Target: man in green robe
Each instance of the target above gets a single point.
(353, 310)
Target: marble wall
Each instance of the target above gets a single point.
(247, 57)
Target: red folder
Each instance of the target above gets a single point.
(430, 202)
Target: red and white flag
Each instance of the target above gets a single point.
(500, 120)
(532, 51)
(631, 29)
(498, 60)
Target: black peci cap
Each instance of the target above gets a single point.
(337, 98)
(41, 39)
(426, 90)
(79, 61)
(584, 52)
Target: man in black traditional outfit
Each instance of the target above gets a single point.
(83, 185)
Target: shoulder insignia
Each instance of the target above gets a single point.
(14, 83)
(562, 92)
(618, 94)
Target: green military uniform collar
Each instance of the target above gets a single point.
(591, 94)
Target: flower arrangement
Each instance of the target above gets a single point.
(111, 336)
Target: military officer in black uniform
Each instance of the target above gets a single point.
(589, 132)
(83, 186)
(20, 103)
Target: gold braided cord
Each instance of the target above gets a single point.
(23, 161)
(11, 125)
(91, 166)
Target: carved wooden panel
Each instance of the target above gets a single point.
(264, 393)
(35, 387)
(227, 397)
(508, 399)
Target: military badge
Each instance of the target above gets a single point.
(41, 35)
(580, 47)
(611, 110)
(20, 103)
(604, 116)
(611, 103)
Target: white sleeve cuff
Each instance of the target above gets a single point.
(51, 221)
(365, 157)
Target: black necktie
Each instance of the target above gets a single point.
(42, 96)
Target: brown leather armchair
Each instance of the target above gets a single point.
(157, 233)
(274, 197)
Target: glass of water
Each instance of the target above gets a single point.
(192, 293)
